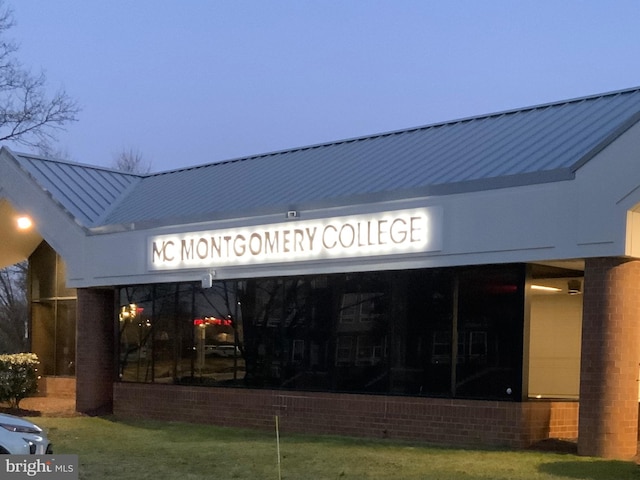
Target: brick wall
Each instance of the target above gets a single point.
(60, 387)
(95, 350)
(610, 356)
(442, 421)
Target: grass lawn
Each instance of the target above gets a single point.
(111, 448)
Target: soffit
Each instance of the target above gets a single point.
(17, 244)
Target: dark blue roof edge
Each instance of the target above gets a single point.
(407, 130)
(495, 183)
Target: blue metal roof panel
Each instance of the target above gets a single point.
(86, 192)
(515, 145)
(535, 144)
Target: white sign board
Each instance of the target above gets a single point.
(386, 233)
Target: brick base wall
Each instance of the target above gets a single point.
(60, 387)
(441, 421)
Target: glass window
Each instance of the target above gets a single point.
(489, 330)
(43, 326)
(42, 272)
(345, 350)
(555, 330)
(438, 332)
(171, 311)
(53, 313)
(427, 338)
(134, 321)
(218, 342)
(362, 361)
(65, 338)
(286, 325)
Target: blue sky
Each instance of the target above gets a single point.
(187, 82)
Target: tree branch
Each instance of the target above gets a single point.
(28, 116)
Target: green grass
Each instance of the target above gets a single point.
(123, 449)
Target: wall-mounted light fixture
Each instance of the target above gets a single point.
(292, 214)
(207, 279)
(24, 222)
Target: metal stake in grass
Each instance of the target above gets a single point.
(278, 448)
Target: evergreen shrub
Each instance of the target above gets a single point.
(18, 377)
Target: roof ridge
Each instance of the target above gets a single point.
(484, 116)
(77, 164)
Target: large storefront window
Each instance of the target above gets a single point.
(436, 332)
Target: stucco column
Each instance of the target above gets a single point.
(608, 418)
(95, 350)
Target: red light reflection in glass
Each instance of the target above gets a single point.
(212, 321)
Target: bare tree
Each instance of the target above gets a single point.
(54, 151)
(131, 161)
(13, 308)
(28, 116)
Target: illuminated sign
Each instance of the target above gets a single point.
(387, 233)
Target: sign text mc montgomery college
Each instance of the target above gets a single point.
(386, 233)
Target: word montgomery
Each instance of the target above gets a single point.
(338, 237)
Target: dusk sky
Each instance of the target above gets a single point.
(188, 82)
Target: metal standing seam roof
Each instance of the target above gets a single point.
(525, 146)
(86, 192)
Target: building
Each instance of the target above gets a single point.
(469, 282)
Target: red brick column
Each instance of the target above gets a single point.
(608, 418)
(95, 350)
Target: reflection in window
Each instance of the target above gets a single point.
(217, 333)
(490, 326)
(359, 307)
(53, 313)
(344, 350)
(378, 332)
(134, 322)
(180, 333)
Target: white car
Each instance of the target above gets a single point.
(21, 437)
(222, 350)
